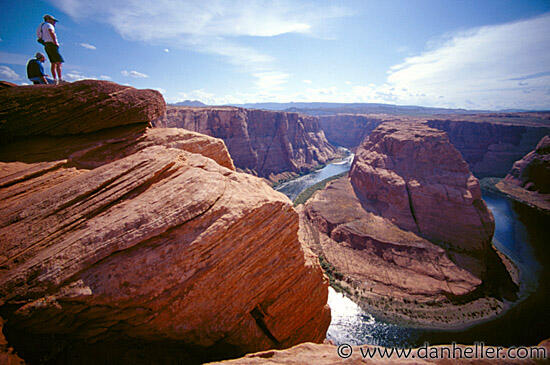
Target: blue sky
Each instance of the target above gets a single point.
(479, 54)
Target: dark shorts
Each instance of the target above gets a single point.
(53, 52)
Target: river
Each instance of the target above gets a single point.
(520, 232)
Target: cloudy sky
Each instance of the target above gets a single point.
(479, 54)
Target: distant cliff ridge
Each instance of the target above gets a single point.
(265, 143)
(489, 142)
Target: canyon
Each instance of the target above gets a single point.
(529, 179)
(115, 236)
(137, 231)
(273, 145)
(490, 142)
(409, 225)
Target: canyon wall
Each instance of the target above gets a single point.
(409, 225)
(269, 144)
(529, 179)
(115, 233)
(490, 143)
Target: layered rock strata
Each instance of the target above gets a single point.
(122, 232)
(489, 143)
(529, 179)
(409, 225)
(269, 144)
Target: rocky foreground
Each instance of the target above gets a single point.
(529, 179)
(407, 233)
(274, 145)
(113, 233)
(326, 354)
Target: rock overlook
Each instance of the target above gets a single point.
(111, 230)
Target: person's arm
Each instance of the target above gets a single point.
(54, 38)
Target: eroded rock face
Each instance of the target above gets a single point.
(409, 225)
(529, 178)
(79, 107)
(411, 174)
(150, 234)
(265, 143)
(385, 259)
(489, 143)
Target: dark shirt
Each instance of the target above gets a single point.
(35, 68)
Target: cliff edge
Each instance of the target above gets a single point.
(115, 236)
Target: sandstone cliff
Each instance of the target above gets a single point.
(529, 179)
(490, 143)
(412, 175)
(409, 225)
(112, 232)
(269, 144)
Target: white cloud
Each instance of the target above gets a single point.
(306, 81)
(134, 74)
(105, 77)
(166, 50)
(76, 75)
(270, 80)
(493, 67)
(212, 27)
(88, 46)
(8, 73)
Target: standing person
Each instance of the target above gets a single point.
(46, 32)
(35, 70)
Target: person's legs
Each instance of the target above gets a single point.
(58, 68)
(36, 80)
(52, 68)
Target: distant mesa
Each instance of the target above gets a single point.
(269, 144)
(409, 225)
(118, 239)
(195, 103)
(529, 179)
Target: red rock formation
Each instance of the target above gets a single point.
(264, 143)
(386, 260)
(149, 234)
(529, 179)
(79, 107)
(412, 175)
(490, 143)
(409, 225)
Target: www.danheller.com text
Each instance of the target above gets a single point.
(454, 351)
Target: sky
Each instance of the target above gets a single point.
(478, 54)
